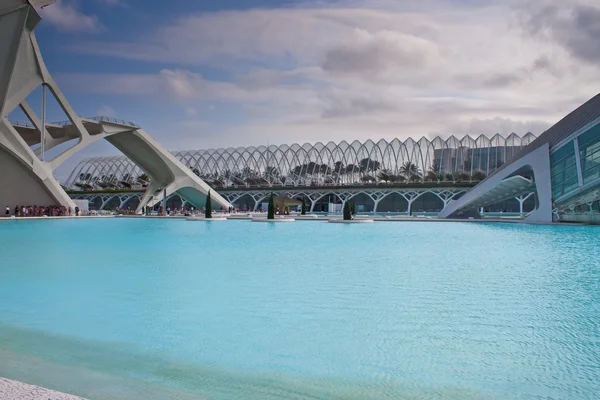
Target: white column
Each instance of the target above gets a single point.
(521, 201)
(409, 206)
(375, 204)
(43, 133)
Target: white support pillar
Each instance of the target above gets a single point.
(521, 200)
(590, 205)
(410, 197)
(43, 130)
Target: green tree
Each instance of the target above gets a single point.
(143, 179)
(353, 208)
(208, 207)
(409, 169)
(347, 211)
(478, 176)
(271, 210)
(303, 210)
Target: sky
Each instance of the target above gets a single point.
(214, 73)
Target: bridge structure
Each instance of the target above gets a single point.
(27, 176)
(430, 199)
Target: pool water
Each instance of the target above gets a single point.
(170, 309)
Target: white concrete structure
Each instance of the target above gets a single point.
(374, 199)
(26, 177)
(561, 168)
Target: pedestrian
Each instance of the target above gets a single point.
(7, 211)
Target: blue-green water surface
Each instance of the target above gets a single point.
(171, 309)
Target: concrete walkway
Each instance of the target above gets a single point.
(13, 390)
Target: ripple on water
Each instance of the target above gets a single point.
(167, 309)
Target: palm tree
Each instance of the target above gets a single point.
(384, 175)
(351, 169)
(247, 172)
(143, 180)
(366, 164)
(271, 174)
(408, 169)
(126, 181)
(478, 176)
(432, 174)
(367, 178)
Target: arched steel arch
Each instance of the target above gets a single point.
(330, 163)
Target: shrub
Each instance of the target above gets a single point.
(271, 210)
(347, 211)
(208, 207)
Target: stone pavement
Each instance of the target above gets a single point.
(13, 390)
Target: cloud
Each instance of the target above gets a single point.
(106, 111)
(350, 69)
(503, 126)
(573, 25)
(66, 17)
(190, 112)
(379, 52)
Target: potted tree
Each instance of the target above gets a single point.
(347, 211)
(208, 207)
(271, 210)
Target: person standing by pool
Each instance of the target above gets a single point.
(7, 211)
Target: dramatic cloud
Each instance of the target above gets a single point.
(379, 52)
(66, 17)
(575, 26)
(361, 69)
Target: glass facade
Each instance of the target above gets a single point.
(564, 170)
(589, 151)
(563, 163)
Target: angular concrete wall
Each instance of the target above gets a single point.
(28, 180)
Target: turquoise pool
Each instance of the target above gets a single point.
(169, 309)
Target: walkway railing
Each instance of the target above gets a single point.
(101, 119)
(68, 122)
(21, 123)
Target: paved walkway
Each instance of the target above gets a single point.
(13, 390)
